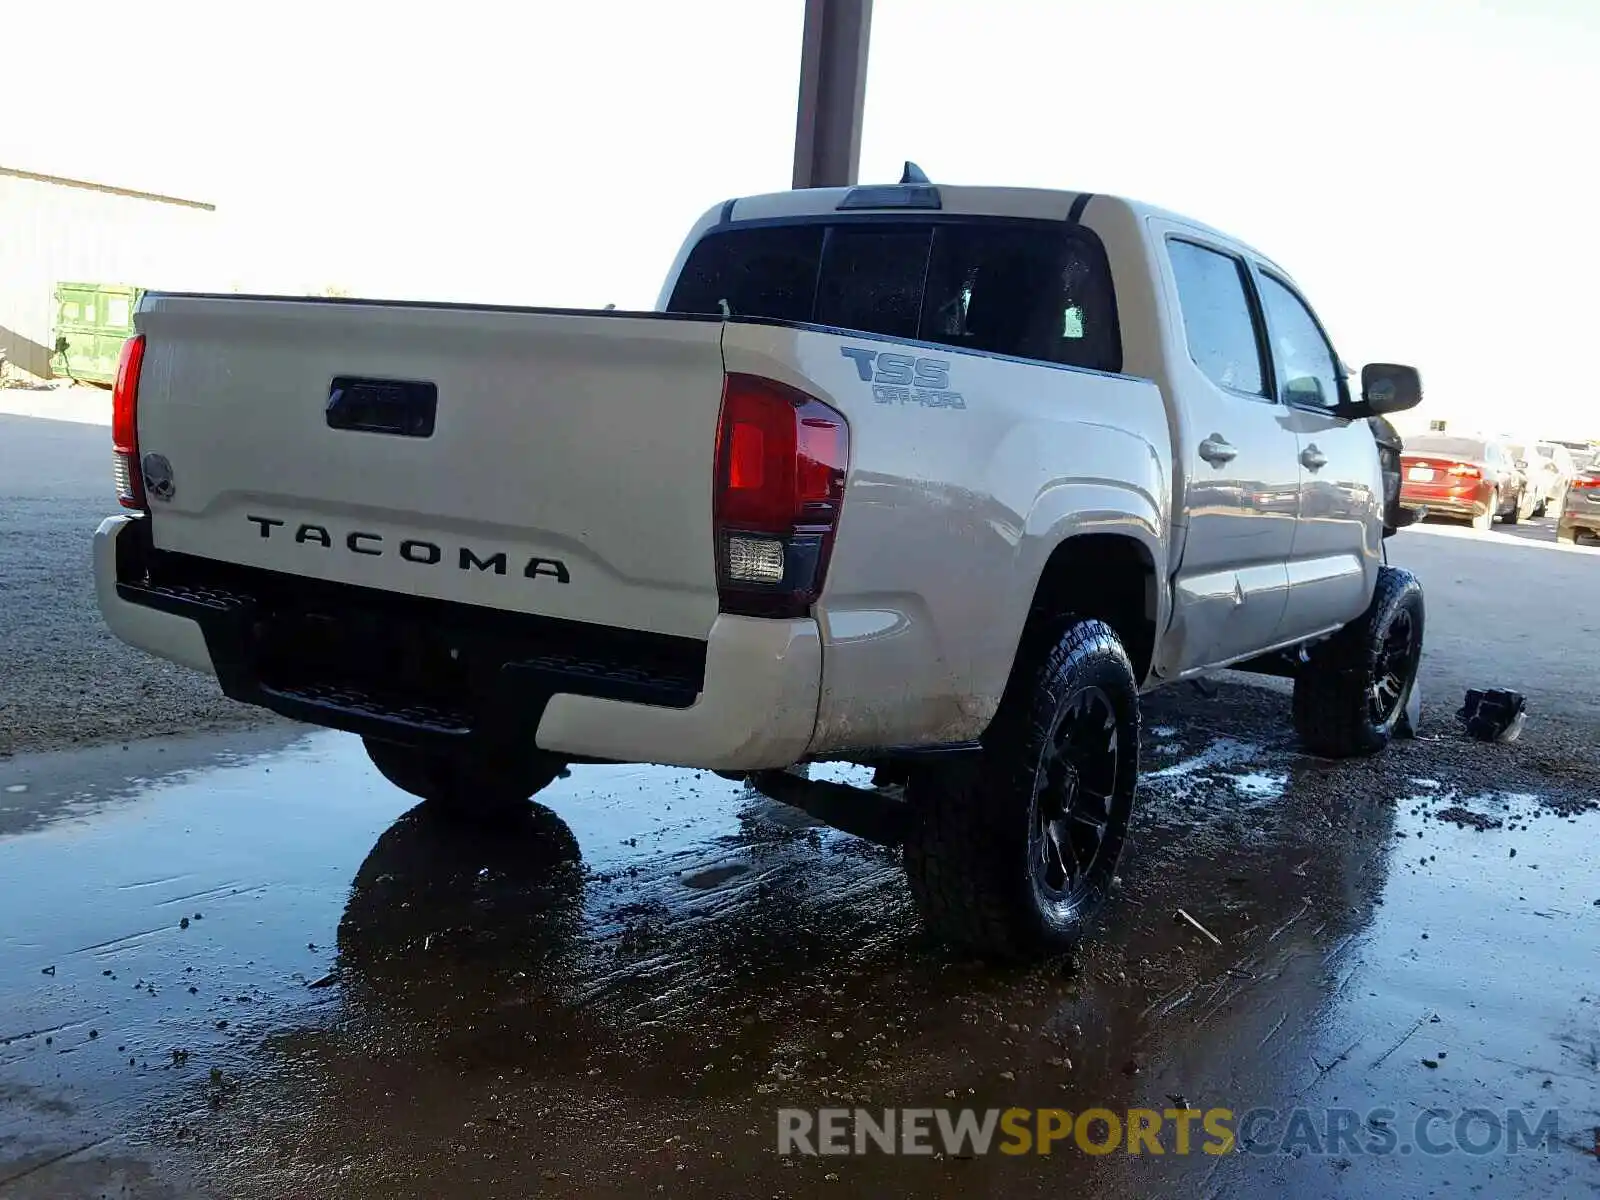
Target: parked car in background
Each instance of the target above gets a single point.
(1580, 508)
(1548, 469)
(1584, 454)
(1470, 477)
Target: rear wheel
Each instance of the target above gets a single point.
(470, 788)
(1350, 696)
(1519, 508)
(1009, 855)
(1484, 521)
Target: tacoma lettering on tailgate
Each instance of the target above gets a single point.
(413, 550)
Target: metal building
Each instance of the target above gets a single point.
(55, 230)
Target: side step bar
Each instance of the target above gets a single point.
(864, 812)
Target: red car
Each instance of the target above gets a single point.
(1474, 478)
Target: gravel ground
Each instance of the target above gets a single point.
(64, 678)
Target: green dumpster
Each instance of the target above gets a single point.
(92, 321)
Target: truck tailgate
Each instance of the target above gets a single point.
(568, 470)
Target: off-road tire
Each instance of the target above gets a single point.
(1332, 692)
(457, 786)
(968, 850)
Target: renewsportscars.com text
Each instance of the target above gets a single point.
(1175, 1131)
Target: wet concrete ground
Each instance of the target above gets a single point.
(246, 967)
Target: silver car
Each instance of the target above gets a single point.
(1549, 469)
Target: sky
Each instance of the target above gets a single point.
(1425, 169)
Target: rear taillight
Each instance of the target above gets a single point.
(1587, 481)
(1466, 471)
(781, 461)
(125, 424)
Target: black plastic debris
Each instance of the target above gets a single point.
(1494, 715)
(1409, 724)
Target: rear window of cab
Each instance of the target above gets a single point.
(1030, 289)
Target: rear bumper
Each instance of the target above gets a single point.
(1468, 511)
(457, 677)
(1581, 505)
(1446, 504)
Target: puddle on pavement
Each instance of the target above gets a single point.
(656, 954)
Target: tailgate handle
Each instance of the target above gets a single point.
(399, 406)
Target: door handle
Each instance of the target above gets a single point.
(1216, 450)
(1312, 459)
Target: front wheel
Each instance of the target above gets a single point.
(472, 788)
(1351, 694)
(1010, 854)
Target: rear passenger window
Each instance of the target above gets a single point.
(1217, 320)
(1034, 289)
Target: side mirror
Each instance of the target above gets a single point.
(1385, 388)
(1522, 464)
(1389, 388)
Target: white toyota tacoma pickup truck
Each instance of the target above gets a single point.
(936, 479)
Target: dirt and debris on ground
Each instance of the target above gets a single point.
(64, 679)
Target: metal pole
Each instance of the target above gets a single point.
(833, 91)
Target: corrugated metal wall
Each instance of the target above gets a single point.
(54, 231)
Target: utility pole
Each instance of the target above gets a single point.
(833, 90)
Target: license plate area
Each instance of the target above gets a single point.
(292, 649)
(1420, 474)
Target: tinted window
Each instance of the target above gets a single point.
(1217, 320)
(1308, 372)
(1022, 290)
(1031, 289)
(1450, 447)
(762, 272)
(872, 279)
